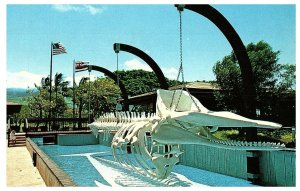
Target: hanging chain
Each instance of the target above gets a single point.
(180, 41)
(180, 71)
(181, 60)
(180, 48)
(180, 67)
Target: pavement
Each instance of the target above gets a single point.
(20, 171)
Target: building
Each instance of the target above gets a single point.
(203, 91)
(12, 108)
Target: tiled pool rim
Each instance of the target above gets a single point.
(52, 175)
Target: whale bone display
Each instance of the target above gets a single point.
(150, 143)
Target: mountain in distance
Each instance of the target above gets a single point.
(16, 95)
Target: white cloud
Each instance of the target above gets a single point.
(23, 79)
(135, 64)
(65, 8)
(78, 78)
(170, 73)
(93, 10)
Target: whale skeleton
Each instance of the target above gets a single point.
(150, 144)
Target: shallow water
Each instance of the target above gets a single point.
(94, 165)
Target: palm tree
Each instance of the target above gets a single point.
(39, 101)
(60, 86)
(45, 82)
(57, 82)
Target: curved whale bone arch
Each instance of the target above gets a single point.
(149, 143)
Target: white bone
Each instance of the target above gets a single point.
(183, 122)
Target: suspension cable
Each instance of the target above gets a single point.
(180, 53)
(181, 59)
(180, 71)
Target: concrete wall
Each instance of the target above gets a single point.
(106, 141)
(223, 161)
(76, 139)
(50, 172)
(277, 168)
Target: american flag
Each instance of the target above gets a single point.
(81, 66)
(58, 48)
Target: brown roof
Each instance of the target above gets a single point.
(197, 85)
(12, 108)
(144, 94)
(12, 103)
(190, 85)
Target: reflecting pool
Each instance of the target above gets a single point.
(94, 165)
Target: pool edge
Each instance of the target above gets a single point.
(52, 175)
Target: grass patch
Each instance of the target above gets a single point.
(226, 134)
(282, 135)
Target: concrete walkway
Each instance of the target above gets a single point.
(20, 170)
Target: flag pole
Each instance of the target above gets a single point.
(89, 93)
(73, 93)
(50, 110)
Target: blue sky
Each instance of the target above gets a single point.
(89, 31)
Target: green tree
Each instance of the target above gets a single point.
(61, 90)
(45, 83)
(102, 93)
(287, 78)
(81, 94)
(39, 98)
(38, 102)
(270, 78)
(139, 82)
(104, 96)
